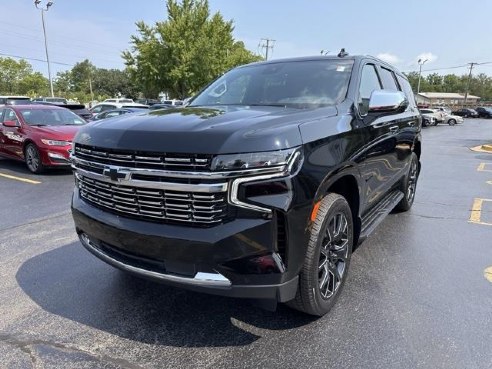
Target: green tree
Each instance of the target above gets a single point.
(12, 72)
(185, 52)
(114, 82)
(82, 75)
(34, 84)
(63, 83)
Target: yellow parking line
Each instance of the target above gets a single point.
(476, 212)
(487, 273)
(19, 179)
(481, 168)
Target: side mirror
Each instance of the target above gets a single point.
(10, 123)
(384, 101)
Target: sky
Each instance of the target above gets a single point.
(447, 34)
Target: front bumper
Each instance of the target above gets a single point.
(211, 260)
(53, 156)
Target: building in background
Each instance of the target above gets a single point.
(429, 99)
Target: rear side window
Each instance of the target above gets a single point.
(368, 83)
(407, 89)
(388, 79)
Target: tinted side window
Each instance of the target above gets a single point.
(9, 114)
(388, 79)
(97, 109)
(407, 89)
(107, 107)
(368, 83)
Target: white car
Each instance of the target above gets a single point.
(453, 119)
(99, 108)
(122, 100)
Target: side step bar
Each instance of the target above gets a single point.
(377, 214)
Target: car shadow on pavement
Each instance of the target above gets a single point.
(71, 283)
(19, 167)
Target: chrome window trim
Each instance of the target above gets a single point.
(200, 279)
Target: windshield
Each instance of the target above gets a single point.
(51, 117)
(18, 101)
(302, 84)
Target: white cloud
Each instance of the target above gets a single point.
(430, 57)
(389, 58)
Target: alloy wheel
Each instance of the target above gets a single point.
(333, 255)
(412, 181)
(32, 158)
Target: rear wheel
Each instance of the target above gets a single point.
(327, 257)
(409, 185)
(33, 159)
(452, 122)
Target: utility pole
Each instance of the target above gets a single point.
(43, 10)
(267, 44)
(469, 81)
(421, 62)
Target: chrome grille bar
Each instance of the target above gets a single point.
(163, 205)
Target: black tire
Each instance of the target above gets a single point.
(327, 257)
(409, 185)
(33, 159)
(436, 123)
(452, 122)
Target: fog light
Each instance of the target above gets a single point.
(54, 155)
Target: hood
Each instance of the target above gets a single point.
(223, 130)
(65, 133)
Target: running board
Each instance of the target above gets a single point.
(377, 214)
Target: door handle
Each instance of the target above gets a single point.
(411, 124)
(394, 129)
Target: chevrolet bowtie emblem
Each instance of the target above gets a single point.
(115, 174)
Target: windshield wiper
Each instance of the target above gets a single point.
(277, 105)
(38, 125)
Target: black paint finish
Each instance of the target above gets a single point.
(360, 157)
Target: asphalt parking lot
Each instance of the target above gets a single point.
(418, 293)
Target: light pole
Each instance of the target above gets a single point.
(421, 62)
(37, 4)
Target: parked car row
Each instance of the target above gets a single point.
(432, 117)
(480, 112)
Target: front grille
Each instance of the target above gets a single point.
(156, 205)
(137, 159)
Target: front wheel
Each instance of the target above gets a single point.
(452, 122)
(409, 186)
(327, 257)
(33, 159)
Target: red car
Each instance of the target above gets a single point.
(40, 135)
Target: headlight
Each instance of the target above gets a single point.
(55, 142)
(254, 160)
(276, 164)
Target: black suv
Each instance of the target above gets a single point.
(485, 112)
(261, 187)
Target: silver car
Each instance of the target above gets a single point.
(452, 119)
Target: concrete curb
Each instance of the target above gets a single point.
(482, 148)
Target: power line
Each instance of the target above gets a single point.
(455, 67)
(34, 59)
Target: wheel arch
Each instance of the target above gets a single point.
(347, 184)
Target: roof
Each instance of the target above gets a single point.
(446, 95)
(34, 106)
